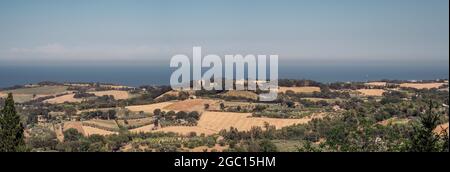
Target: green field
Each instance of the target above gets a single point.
(322, 99)
(287, 145)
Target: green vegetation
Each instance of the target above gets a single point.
(276, 111)
(110, 114)
(175, 119)
(424, 139)
(401, 120)
(11, 130)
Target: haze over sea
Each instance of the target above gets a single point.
(131, 42)
(160, 75)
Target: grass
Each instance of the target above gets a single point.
(241, 94)
(135, 123)
(323, 99)
(109, 125)
(287, 145)
(395, 121)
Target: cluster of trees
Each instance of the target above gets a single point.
(298, 83)
(275, 111)
(76, 142)
(325, 93)
(83, 95)
(171, 118)
(393, 97)
(269, 132)
(106, 115)
(172, 144)
(43, 139)
(346, 85)
(356, 131)
(105, 101)
(254, 140)
(358, 128)
(208, 93)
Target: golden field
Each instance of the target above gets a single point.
(371, 92)
(299, 89)
(380, 84)
(150, 107)
(62, 99)
(421, 85)
(118, 95)
(190, 105)
(213, 122)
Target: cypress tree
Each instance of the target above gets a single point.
(424, 139)
(11, 130)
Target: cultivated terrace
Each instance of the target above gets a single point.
(379, 116)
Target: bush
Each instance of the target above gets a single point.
(72, 134)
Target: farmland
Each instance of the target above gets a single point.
(371, 92)
(109, 125)
(64, 98)
(190, 105)
(304, 117)
(299, 89)
(217, 121)
(240, 94)
(150, 107)
(118, 95)
(93, 130)
(31, 93)
(41, 90)
(213, 122)
(380, 84)
(421, 85)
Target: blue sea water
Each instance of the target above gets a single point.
(160, 75)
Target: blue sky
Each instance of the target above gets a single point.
(150, 32)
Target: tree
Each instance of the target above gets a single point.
(181, 115)
(11, 129)
(222, 106)
(72, 134)
(156, 121)
(239, 108)
(194, 114)
(423, 138)
(183, 95)
(112, 114)
(290, 104)
(157, 112)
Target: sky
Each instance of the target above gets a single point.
(147, 32)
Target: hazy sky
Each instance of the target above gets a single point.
(150, 32)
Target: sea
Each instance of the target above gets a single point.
(160, 75)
